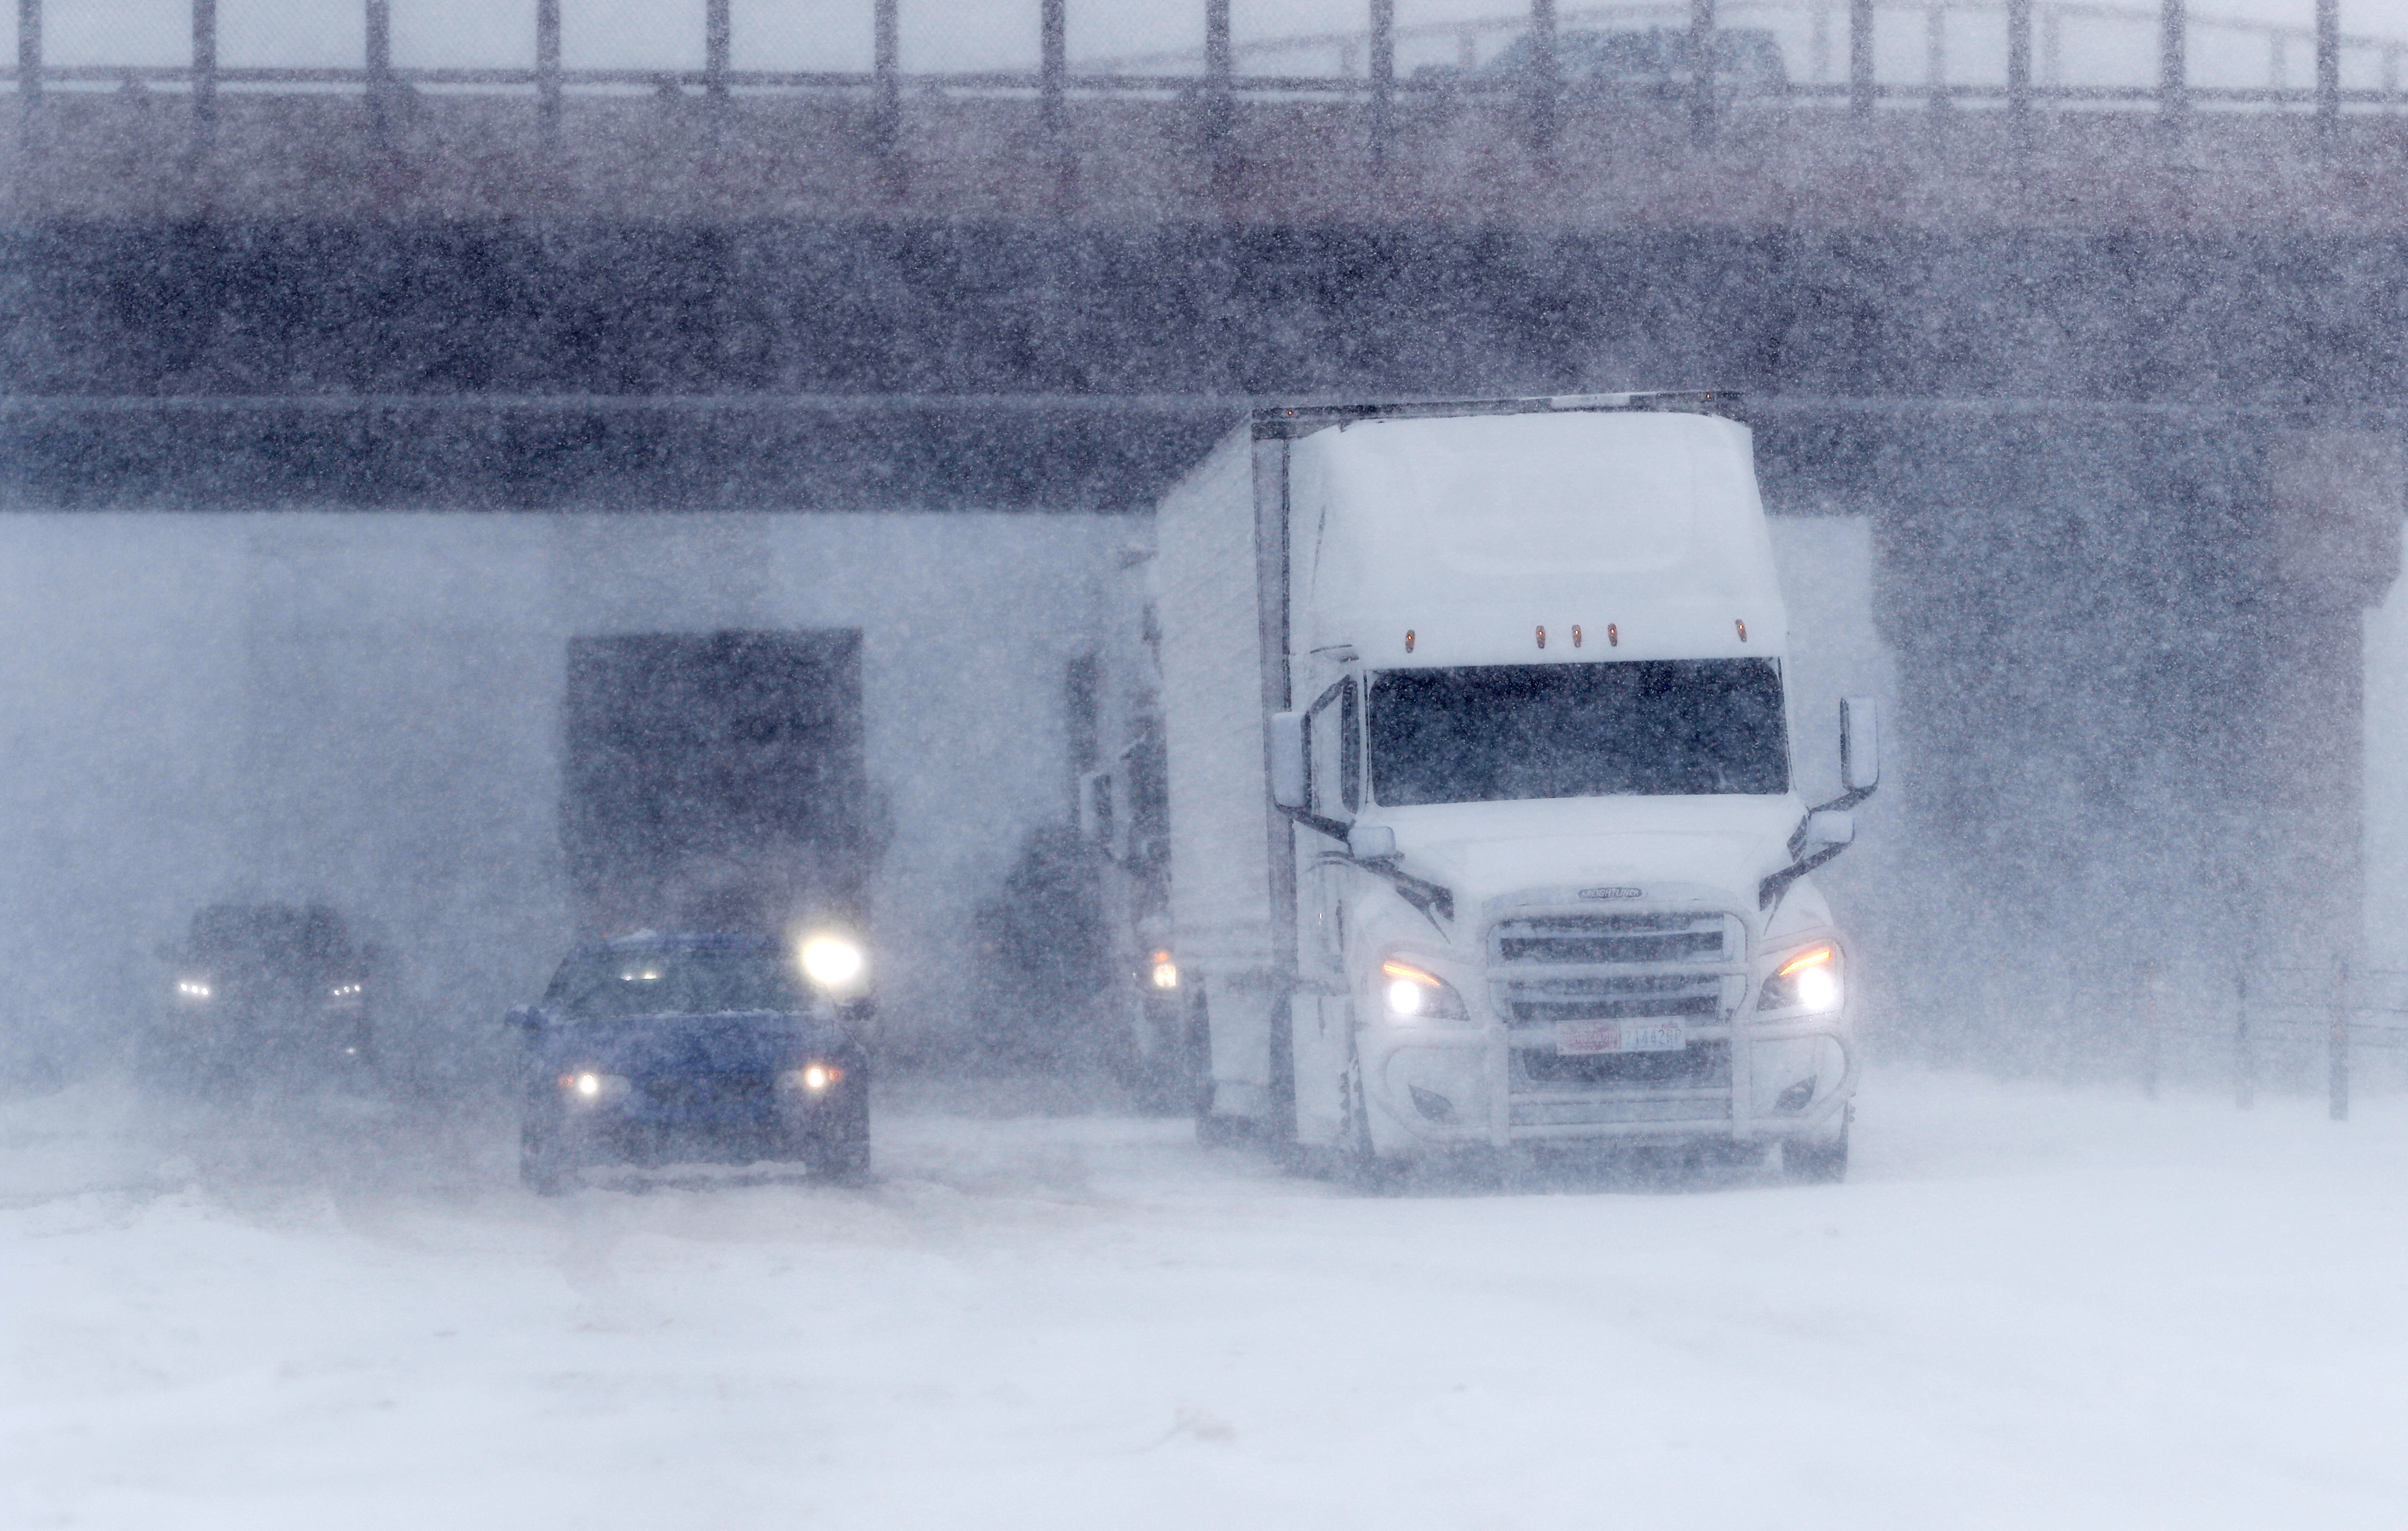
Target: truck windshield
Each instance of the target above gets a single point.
(1501, 732)
(705, 982)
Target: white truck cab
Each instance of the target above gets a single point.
(1483, 824)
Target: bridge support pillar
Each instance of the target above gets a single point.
(2130, 720)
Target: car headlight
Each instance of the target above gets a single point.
(1806, 981)
(835, 963)
(587, 1087)
(1410, 994)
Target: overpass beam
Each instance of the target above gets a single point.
(1860, 57)
(2327, 67)
(2019, 61)
(1701, 72)
(886, 110)
(2173, 59)
(1220, 103)
(1546, 81)
(717, 37)
(1054, 55)
(29, 50)
(1383, 75)
(204, 73)
(547, 67)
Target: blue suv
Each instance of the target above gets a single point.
(735, 1048)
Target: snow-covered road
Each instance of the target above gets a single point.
(2028, 1309)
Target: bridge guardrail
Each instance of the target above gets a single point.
(1364, 64)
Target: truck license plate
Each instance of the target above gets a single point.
(1620, 1036)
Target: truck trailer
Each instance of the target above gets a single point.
(1482, 830)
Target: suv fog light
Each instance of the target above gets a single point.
(587, 1086)
(1794, 1099)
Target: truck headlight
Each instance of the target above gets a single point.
(835, 963)
(1412, 993)
(813, 1079)
(1808, 980)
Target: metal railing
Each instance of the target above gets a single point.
(2338, 1011)
(1364, 64)
(1366, 61)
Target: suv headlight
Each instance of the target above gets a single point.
(1808, 979)
(1410, 994)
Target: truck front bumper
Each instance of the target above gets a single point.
(1430, 1088)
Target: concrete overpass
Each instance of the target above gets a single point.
(2123, 391)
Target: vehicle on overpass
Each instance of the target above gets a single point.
(266, 994)
(1656, 61)
(1483, 833)
(653, 1049)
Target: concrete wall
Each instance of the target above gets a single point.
(366, 708)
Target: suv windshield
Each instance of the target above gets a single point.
(1501, 732)
(691, 981)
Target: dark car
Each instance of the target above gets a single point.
(728, 1049)
(264, 994)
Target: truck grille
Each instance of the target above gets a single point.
(1632, 966)
(1699, 1063)
(1579, 965)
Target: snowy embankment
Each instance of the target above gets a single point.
(2028, 1309)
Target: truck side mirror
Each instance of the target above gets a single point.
(1371, 842)
(1830, 826)
(1859, 744)
(524, 1016)
(1287, 761)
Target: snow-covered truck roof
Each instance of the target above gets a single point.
(1534, 537)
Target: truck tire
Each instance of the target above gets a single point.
(1817, 1164)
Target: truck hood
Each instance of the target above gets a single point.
(1679, 848)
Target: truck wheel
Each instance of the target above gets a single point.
(545, 1167)
(1816, 1164)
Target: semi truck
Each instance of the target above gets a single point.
(1482, 825)
(717, 784)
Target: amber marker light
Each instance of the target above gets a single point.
(1613, 636)
(1543, 638)
(1742, 625)
(1816, 958)
(1409, 640)
(1576, 635)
